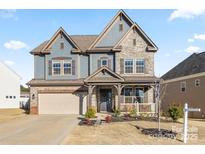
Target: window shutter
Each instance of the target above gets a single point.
(73, 67)
(109, 63)
(146, 69)
(99, 63)
(50, 67)
(121, 66)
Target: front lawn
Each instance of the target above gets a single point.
(125, 133)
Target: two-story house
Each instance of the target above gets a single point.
(114, 69)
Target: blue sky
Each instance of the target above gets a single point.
(177, 33)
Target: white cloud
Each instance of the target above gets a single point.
(199, 37)
(8, 62)
(186, 14)
(193, 49)
(190, 40)
(7, 14)
(15, 45)
(167, 54)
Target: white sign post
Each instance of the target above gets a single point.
(186, 110)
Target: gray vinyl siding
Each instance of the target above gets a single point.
(39, 67)
(83, 66)
(66, 52)
(95, 57)
(114, 35)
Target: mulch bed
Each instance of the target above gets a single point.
(154, 132)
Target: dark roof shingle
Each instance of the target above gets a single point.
(83, 41)
(192, 65)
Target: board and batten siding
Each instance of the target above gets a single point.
(65, 53)
(39, 67)
(95, 57)
(113, 35)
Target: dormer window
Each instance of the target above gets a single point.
(121, 27)
(62, 45)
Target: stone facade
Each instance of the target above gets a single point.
(135, 52)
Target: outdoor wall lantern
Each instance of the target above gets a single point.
(33, 96)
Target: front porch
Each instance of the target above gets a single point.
(108, 91)
(106, 98)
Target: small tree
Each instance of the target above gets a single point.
(90, 113)
(117, 112)
(175, 112)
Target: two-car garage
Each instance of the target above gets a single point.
(61, 103)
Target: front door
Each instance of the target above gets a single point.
(106, 100)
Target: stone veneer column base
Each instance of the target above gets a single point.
(34, 110)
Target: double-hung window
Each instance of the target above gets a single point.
(67, 67)
(183, 86)
(139, 93)
(129, 66)
(140, 66)
(128, 92)
(56, 67)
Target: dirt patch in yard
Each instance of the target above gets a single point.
(125, 133)
(8, 114)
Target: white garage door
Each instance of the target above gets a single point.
(61, 103)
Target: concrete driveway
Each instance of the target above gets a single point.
(38, 129)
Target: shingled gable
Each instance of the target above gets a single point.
(112, 76)
(150, 47)
(44, 47)
(120, 13)
(192, 65)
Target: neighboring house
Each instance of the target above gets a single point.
(112, 70)
(185, 83)
(24, 100)
(9, 87)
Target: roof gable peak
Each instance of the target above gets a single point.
(119, 13)
(59, 31)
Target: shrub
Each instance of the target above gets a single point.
(90, 113)
(175, 112)
(117, 112)
(133, 112)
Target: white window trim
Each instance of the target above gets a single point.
(53, 62)
(196, 81)
(133, 95)
(143, 93)
(136, 65)
(67, 61)
(61, 67)
(181, 83)
(133, 70)
(128, 96)
(101, 60)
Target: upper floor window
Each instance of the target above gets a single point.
(104, 62)
(128, 66)
(134, 42)
(7, 97)
(140, 66)
(197, 82)
(56, 68)
(62, 45)
(183, 86)
(67, 67)
(121, 27)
